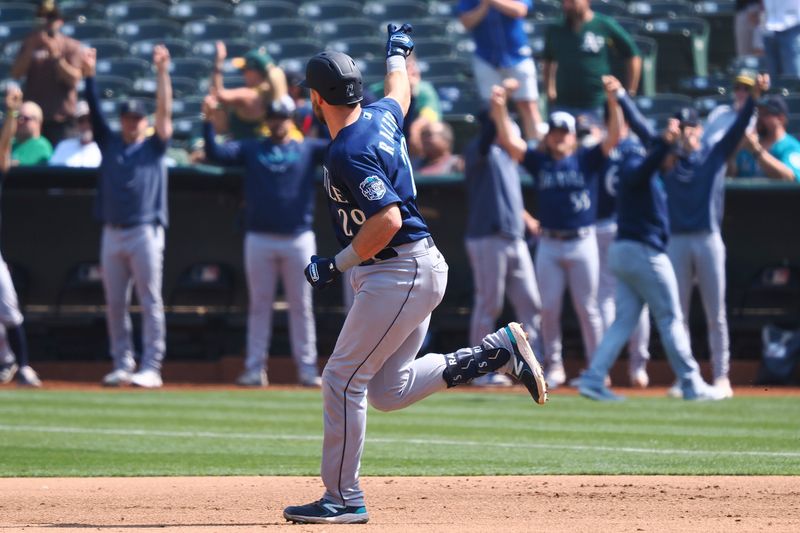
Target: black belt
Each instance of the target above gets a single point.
(389, 253)
(566, 234)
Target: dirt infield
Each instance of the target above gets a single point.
(409, 505)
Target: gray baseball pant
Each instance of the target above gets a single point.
(700, 257)
(134, 256)
(268, 257)
(374, 358)
(570, 263)
(645, 276)
(503, 266)
(638, 345)
(9, 311)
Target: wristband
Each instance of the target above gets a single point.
(394, 63)
(346, 259)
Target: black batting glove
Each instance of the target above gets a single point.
(399, 43)
(321, 271)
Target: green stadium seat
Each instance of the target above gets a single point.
(112, 86)
(545, 10)
(204, 30)
(141, 30)
(235, 48)
(347, 28)
(17, 11)
(184, 128)
(144, 49)
(633, 26)
(612, 8)
(265, 9)
(704, 85)
(434, 46)
(293, 48)
(324, 10)
(361, 47)
(108, 47)
(682, 48)
(137, 10)
(126, 67)
(88, 29)
(15, 30)
(189, 67)
(459, 98)
(181, 86)
(662, 103)
(191, 106)
(201, 9)
(396, 9)
(722, 45)
(291, 28)
(81, 9)
(445, 67)
(372, 69)
(661, 8)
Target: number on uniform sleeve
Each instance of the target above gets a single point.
(355, 217)
(580, 201)
(407, 162)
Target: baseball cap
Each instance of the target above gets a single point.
(282, 108)
(687, 116)
(257, 59)
(49, 10)
(81, 109)
(773, 105)
(746, 76)
(335, 77)
(134, 107)
(562, 120)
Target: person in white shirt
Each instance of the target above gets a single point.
(80, 151)
(723, 116)
(782, 37)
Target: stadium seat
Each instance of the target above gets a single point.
(108, 47)
(661, 8)
(545, 10)
(88, 29)
(774, 291)
(82, 286)
(265, 9)
(17, 11)
(348, 28)
(191, 106)
(293, 48)
(144, 49)
(125, 67)
(648, 48)
(632, 25)
(359, 47)
(324, 10)
(447, 67)
(704, 85)
(757, 63)
(186, 127)
(459, 97)
(140, 30)
(181, 86)
(434, 47)
(5, 68)
(15, 31)
(706, 104)
(292, 28)
(190, 67)
(78, 9)
(235, 48)
(204, 284)
(537, 35)
(719, 14)
(787, 85)
(201, 9)
(109, 86)
(443, 9)
(612, 8)
(137, 10)
(204, 30)
(372, 69)
(661, 104)
(10, 49)
(684, 42)
(395, 9)
(793, 101)
(465, 127)
(427, 27)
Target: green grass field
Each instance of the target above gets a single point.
(138, 433)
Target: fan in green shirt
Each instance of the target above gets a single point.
(29, 147)
(578, 53)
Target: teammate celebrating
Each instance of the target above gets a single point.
(10, 316)
(131, 203)
(279, 209)
(397, 273)
(565, 178)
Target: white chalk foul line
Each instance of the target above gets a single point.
(384, 440)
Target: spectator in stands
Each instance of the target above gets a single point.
(29, 147)
(782, 37)
(578, 53)
(723, 116)
(502, 51)
(12, 334)
(770, 151)
(50, 63)
(264, 83)
(79, 151)
(131, 203)
(437, 151)
(279, 209)
(748, 19)
(425, 107)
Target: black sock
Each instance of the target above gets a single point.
(18, 343)
(468, 363)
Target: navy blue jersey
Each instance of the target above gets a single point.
(366, 169)
(132, 188)
(566, 189)
(279, 180)
(609, 176)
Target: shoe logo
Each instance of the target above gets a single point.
(519, 366)
(331, 508)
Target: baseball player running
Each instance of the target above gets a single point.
(10, 316)
(279, 210)
(565, 178)
(131, 204)
(397, 273)
(645, 275)
(500, 260)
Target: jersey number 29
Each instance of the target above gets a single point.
(355, 217)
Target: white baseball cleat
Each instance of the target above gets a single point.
(117, 378)
(639, 378)
(555, 376)
(522, 364)
(723, 385)
(253, 378)
(27, 377)
(7, 372)
(311, 381)
(147, 379)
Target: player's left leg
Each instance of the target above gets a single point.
(549, 269)
(523, 293)
(146, 250)
(582, 279)
(302, 332)
(606, 286)
(11, 318)
(489, 262)
(710, 261)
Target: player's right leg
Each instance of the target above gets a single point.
(116, 276)
(549, 270)
(523, 293)
(582, 266)
(11, 319)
